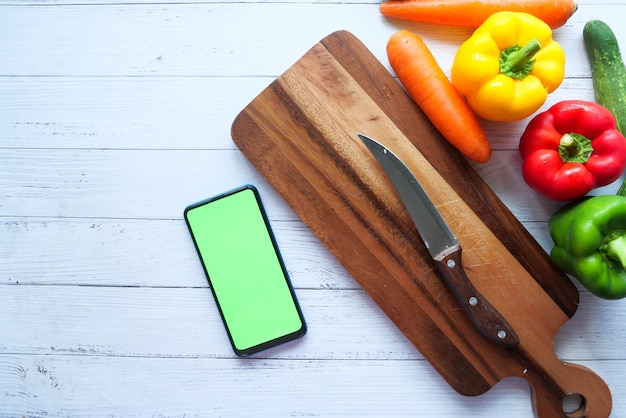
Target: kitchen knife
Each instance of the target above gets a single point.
(443, 247)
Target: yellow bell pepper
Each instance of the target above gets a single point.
(508, 66)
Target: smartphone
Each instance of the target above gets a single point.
(245, 270)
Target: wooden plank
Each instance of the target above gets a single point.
(149, 112)
(156, 184)
(130, 322)
(51, 385)
(199, 40)
(151, 253)
(127, 184)
(37, 386)
(118, 321)
(161, 112)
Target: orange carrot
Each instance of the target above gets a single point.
(472, 13)
(427, 84)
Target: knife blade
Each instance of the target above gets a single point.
(443, 247)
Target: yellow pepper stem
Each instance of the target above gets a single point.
(517, 62)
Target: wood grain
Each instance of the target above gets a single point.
(300, 133)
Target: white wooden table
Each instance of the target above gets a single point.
(114, 115)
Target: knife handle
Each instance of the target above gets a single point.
(482, 314)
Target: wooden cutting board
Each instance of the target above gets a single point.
(301, 134)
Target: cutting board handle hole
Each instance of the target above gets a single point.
(574, 405)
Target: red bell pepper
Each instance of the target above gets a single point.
(572, 148)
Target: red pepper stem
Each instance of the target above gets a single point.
(575, 148)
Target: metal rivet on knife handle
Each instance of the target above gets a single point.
(483, 315)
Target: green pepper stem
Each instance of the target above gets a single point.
(622, 189)
(517, 62)
(616, 248)
(575, 148)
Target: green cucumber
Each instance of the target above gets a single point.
(607, 69)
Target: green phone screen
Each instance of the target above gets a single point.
(245, 270)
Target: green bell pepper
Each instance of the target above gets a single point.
(590, 243)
